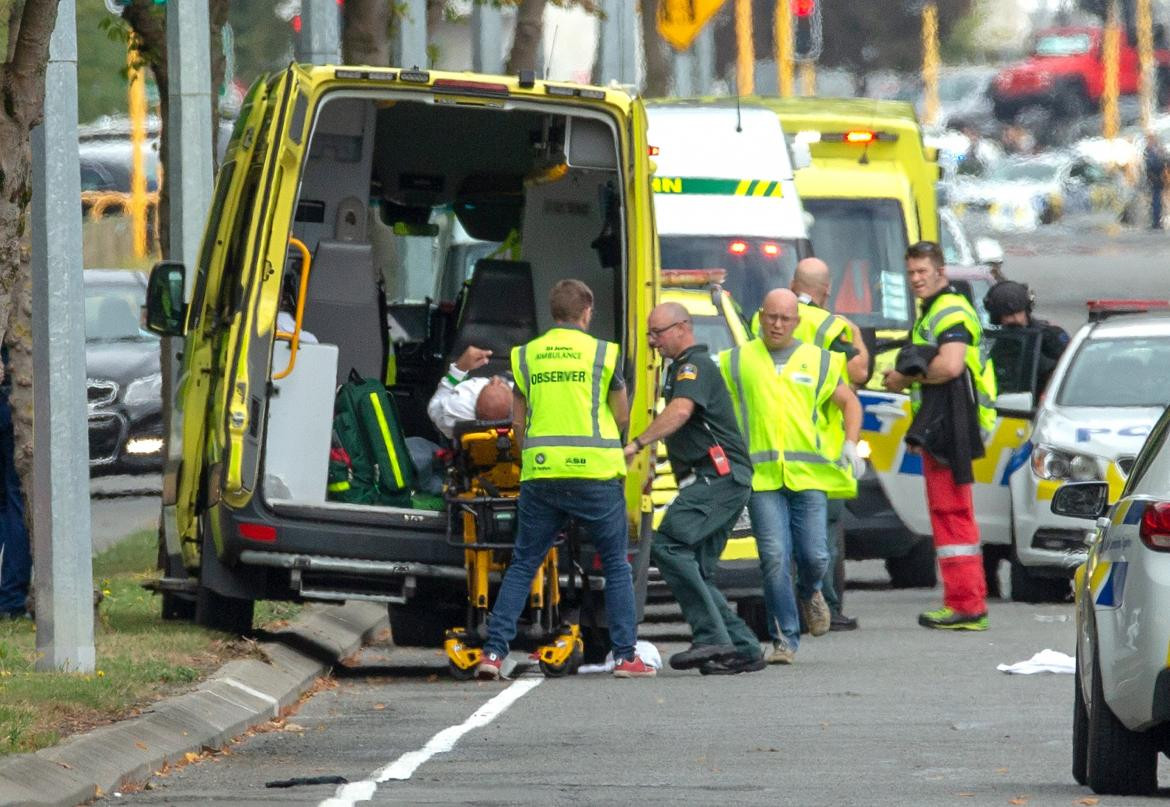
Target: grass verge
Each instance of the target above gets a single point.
(140, 658)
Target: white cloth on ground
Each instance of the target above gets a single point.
(1051, 661)
(647, 651)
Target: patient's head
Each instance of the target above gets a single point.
(494, 401)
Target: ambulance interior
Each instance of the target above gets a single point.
(431, 227)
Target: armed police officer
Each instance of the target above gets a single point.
(710, 461)
(1009, 305)
(568, 413)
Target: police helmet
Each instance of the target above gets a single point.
(1005, 298)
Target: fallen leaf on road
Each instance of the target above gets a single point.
(379, 707)
(65, 765)
(1018, 800)
(191, 756)
(293, 727)
(967, 795)
(141, 745)
(1089, 801)
(1001, 770)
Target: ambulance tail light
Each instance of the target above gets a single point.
(465, 87)
(770, 250)
(692, 277)
(265, 533)
(1155, 526)
(859, 137)
(738, 247)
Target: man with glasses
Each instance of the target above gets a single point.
(714, 476)
(949, 327)
(783, 389)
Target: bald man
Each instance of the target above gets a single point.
(460, 398)
(781, 388)
(812, 284)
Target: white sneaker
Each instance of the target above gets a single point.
(781, 654)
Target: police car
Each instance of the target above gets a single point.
(1109, 388)
(1121, 712)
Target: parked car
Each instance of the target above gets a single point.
(1121, 702)
(1023, 193)
(123, 375)
(1065, 74)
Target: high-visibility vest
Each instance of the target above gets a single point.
(948, 310)
(820, 327)
(570, 433)
(750, 376)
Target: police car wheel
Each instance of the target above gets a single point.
(1120, 762)
(1080, 732)
(1032, 588)
(915, 569)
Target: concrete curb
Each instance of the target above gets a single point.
(240, 695)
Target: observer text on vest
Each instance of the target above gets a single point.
(554, 376)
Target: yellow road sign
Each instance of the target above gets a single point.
(679, 21)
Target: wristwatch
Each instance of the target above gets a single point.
(638, 442)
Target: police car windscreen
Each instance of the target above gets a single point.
(864, 243)
(754, 266)
(1118, 372)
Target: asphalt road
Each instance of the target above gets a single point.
(121, 506)
(891, 714)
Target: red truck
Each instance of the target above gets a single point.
(1065, 74)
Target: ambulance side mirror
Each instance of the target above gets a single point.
(801, 155)
(1016, 405)
(1089, 500)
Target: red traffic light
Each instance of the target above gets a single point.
(804, 8)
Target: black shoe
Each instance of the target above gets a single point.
(698, 654)
(842, 622)
(734, 665)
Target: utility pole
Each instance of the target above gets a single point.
(745, 64)
(60, 497)
(137, 107)
(409, 35)
(930, 61)
(1111, 53)
(617, 46)
(1149, 87)
(320, 39)
(808, 78)
(784, 55)
(487, 52)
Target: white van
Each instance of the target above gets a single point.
(724, 195)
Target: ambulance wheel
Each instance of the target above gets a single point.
(1033, 588)
(460, 674)
(1120, 762)
(175, 605)
(418, 624)
(754, 612)
(228, 614)
(572, 663)
(915, 569)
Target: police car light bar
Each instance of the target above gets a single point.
(692, 277)
(1100, 309)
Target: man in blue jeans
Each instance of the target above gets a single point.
(782, 390)
(568, 414)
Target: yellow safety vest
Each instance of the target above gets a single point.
(820, 327)
(571, 433)
(948, 310)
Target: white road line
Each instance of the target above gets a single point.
(405, 766)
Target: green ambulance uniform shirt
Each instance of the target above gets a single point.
(693, 375)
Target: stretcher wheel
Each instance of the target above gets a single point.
(459, 673)
(561, 670)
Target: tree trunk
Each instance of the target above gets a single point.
(22, 87)
(365, 37)
(657, 58)
(526, 39)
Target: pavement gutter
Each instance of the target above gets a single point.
(240, 695)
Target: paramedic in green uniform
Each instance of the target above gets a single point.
(710, 462)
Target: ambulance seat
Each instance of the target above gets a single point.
(344, 308)
(498, 312)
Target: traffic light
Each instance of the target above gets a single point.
(806, 29)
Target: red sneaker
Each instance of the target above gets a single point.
(633, 668)
(489, 666)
